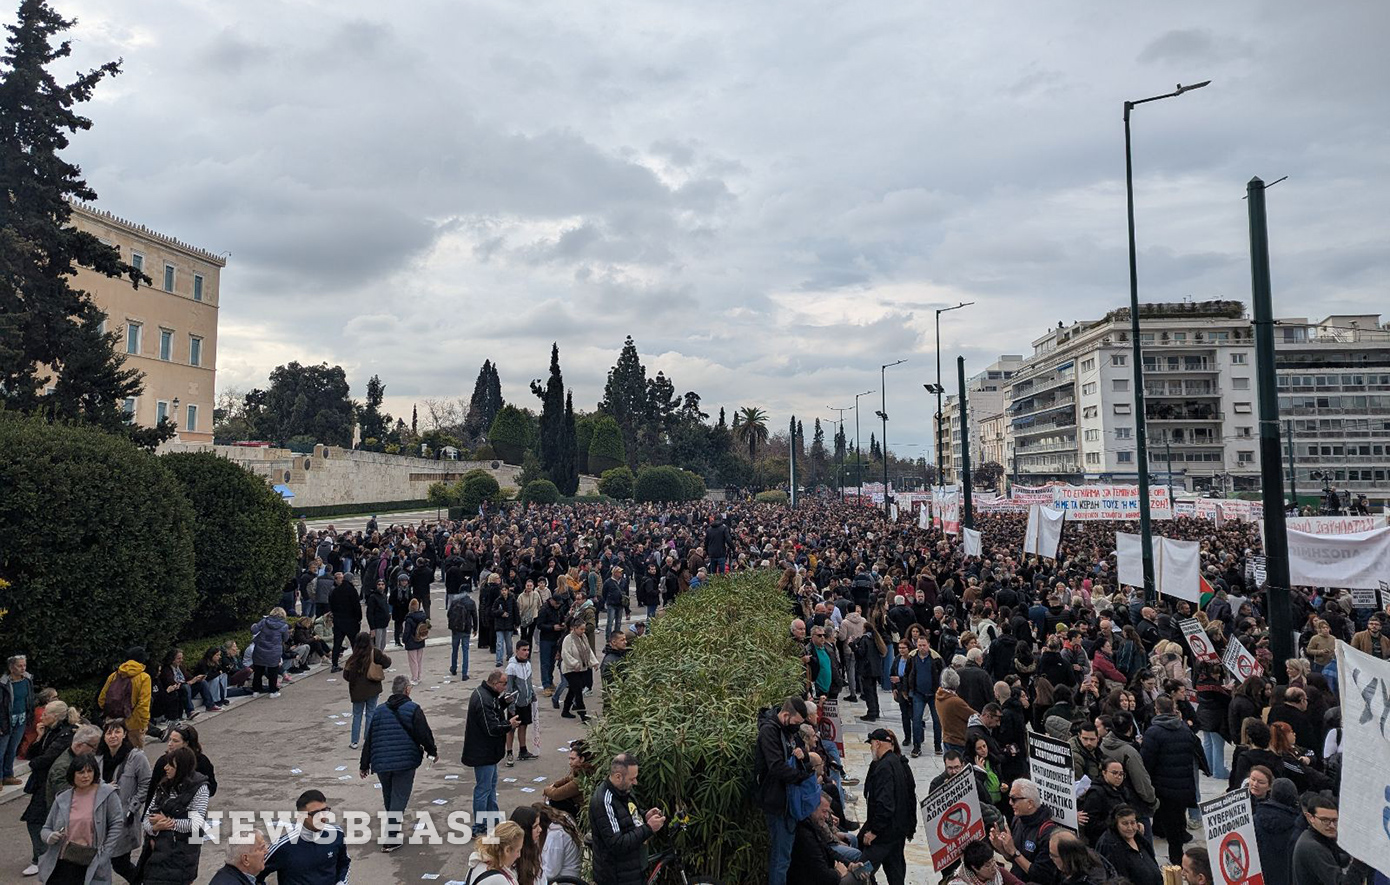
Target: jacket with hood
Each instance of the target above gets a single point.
(774, 768)
(346, 606)
(1277, 821)
(270, 635)
(1169, 748)
(378, 609)
(141, 691)
(1112, 746)
(398, 737)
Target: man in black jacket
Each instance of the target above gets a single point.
(420, 579)
(781, 762)
(619, 834)
(485, 743)
(718, 540)
(1169, 749)
(891, 794)
(346, 607)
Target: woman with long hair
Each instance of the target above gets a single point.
(528, 865)
(82, 828)
(211, 681)
(364, 671)
(128, 770)
(1129, 849)
(414, 630)
(177, 810)
(494, 859)
(561, 849)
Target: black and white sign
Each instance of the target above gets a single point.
(1050, 766)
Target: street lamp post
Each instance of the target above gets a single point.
(883, 413)
(940, 457)
(1141, 446)
(840, 452)
(858, 468)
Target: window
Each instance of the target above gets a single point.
(168, 278)
(1245, 457)
(1092, 435)
(1179, 336)
(1242, 408)
(1088, 389)
(1120, 384)
(197, 287)
(1243, 431)
(1124, 432)
(192, 423)
(137, 261)
(129, 408)
(1237, 359)
(1093, 457)
(195, 350)
(1240, 383)
(1124, 457)
(1122, 408)
(166, 345)
(1090, 411)
(161, 411)
(1119, 359)
(1088, 365)
(132, 338)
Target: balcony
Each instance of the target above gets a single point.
(1179, 389)
(1046, 448)
(1179, 365)
(1029, 406)
(1042, 382)
(1025, 426)
(1162, 411)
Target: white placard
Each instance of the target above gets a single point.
(1044, 531)
(971, 542)
(1050, 766)
(1240, 662)
(1229, 823)
(1198, 641)
(1361, 559)
(951, 816)
(1365, 689)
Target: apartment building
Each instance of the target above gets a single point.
(984, 395)
(1334, 401)
(1070, 406)
(168, 329)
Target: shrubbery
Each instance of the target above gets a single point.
(243, 546)
(511, 434)
(617, 483)
(664, 484)
(97, 552)
(686, 704)
(775, 496)
(606, 449)
(540, 491)
(476, 487)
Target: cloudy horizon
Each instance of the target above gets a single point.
(772, 199)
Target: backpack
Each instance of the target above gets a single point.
(803, 798)
(120, 698)
(861, 647)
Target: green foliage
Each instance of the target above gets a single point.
(377, 507)
(308, 401)
(583, 437)
(987, 475)
(484, 453)
(98, 551)
(486, 401)
(566, 475)
(302, 444)
(606, 449)
(667, 484)
(243, 546)
(556, 428)
(476, 487)
(370, 418)
(540, 491)
(750, 429)
(511, 434)
(687, 706)
(531, 470)
(441, 494)
(617, 483)
(775, 496)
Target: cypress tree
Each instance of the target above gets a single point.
(551, 444)
(568, 480)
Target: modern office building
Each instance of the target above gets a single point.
(168, 329)
(1334, 401)
(984, 395)
(1071, 404)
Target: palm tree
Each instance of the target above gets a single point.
(750, 428)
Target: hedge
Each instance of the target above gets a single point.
(243, 544)
(510, 436)
(663, 484)
(775, 496)
(476, 487)
(98, 548)
(540, 491)
(617, 483)
(686, 704)
(370, 509)
(606, 449)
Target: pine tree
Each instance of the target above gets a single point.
(415, 420)
(486, 401)
(625, 396)
(722, 425)
(50, 332)
(568, 480)
(373, 422)
(552, 421)
(818, 458)
(873, 448)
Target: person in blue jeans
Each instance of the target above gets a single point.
(924, 678)
(485, 743)
(549, 633)
(505, 617)
(17, 709)
(781, 762)
(462, 613)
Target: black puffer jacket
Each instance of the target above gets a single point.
(620, 834)
(892, 796)
(1276, 828)
(1168, 750)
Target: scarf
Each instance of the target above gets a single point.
(965, 876)
(110, 763)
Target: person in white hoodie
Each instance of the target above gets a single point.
(519, 684)
(851, 627)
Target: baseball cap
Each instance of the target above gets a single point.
(880, 734)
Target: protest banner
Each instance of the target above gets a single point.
(1256, 569)
(1177, 565)
(1333, 525)
(1028, 495)
(1365, 688)
(1365, 597)
(947, 510)
(1184, 508)
(1103, 502)
(1198, 641)
(970, 542)
(1360, 559)
(1044, 531)
(1230, 829)
(951, 816)
(1240, 662)
(828, 723)
(1050, 767)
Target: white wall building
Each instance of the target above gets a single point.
(984, 395)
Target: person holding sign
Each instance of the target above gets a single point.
(1028, 843)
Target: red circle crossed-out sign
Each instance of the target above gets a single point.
(1199, 646)
(1234, 859)
(1245, 667)
(954, 823)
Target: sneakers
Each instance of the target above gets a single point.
(510, 761)
(527, 755)
(868, 718)
(849, 782)
(852, 699)
(31, 870)
(352, 746)
(567, 716)
(336, 669)
(916, 752)
(394, 846)
(275, 694)
(547, 692)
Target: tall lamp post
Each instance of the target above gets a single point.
(858, 468)
(839, 452)
(940, 456)
(1140, 437)
(883, 414)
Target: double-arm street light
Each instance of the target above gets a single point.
(883, 414)
(858, 468)
(1141, 444)
(940, 457)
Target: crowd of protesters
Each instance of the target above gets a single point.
(973, 652)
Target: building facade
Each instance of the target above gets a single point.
(1334, 404)
(1070, 406)
(984, 395)
(168, 330)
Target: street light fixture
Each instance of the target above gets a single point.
(1141, 444)
(858, 468)
(883, 414)
(940, 457)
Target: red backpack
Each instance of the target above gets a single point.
(120, 698)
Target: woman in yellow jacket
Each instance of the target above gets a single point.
(133, 704)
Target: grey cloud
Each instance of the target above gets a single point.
(1188, 44)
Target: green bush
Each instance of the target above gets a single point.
(687, 705)
(583, 437)
(658, 484)
(606, 449)
(324, 511)
(441, 494)
(483, 453)
(511, 434)
(303, 444)
(98, 548)
(540, 491)
(476, 487)
(776, 496)
(617, 483)
(243, 545)
(694, 485)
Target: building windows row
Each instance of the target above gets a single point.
(134, 333)
(161, 412)
(137, 261)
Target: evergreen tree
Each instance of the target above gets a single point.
(50, 332)
(625, 396)
(373, 422)
(551, 443)
(304, 401)
(486, 401)
(568, 480)
(415, 420)
(818, 458)
(874, 453)
(722, 425)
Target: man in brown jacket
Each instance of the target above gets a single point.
(955, 713)
(1373, 640)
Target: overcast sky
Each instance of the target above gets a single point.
(771, 197)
